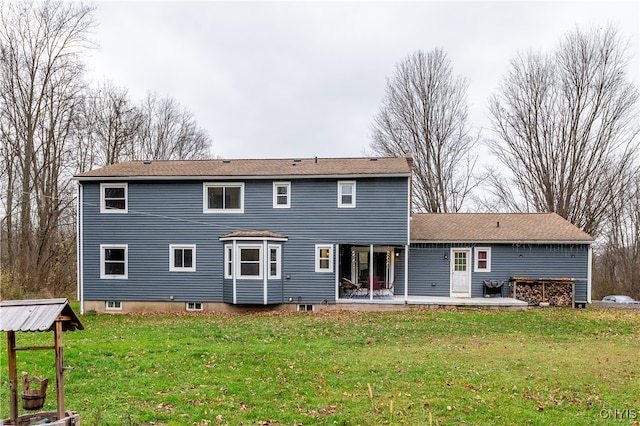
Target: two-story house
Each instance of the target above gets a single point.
(217, 234)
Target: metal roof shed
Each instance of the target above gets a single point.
(36, 315)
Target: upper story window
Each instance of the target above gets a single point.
(281, 195)
(346, 193)
(114, 262)
(324, 258)
(223, 197)
(483, 259)
(182, 258)
(113, 198)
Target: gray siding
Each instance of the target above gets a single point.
(171, 212)
(429, 271)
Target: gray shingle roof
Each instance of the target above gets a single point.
(258, 234)
(398, 166)
(495, 227)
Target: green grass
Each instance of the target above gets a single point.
(473, 367)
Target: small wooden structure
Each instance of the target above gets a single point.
(37, 315)
(544, 291)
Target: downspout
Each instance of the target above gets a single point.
(234, 256)
(337, 272)
(406, 247)
(79, 244)
(265, 269)
(589, 272)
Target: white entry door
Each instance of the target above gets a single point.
(460, 273)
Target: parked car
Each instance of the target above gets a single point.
(619, 299)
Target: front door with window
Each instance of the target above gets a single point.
(460, 273)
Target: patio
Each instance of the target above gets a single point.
(498, 302)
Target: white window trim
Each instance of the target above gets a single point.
(278, 249)
(173, 267)
(239, 262)
(306, 307)
(228, 258)
(318, 248)
(276, 185)
(205, 197)
(194, 308)
(103, 205)
(103, 275)
(341, 184)
(476, 267)
(113, 308)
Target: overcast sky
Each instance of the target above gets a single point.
(305, 79)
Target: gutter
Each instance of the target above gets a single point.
(232, 177)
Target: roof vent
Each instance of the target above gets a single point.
(297, 160)
(146, 162)
(498, 224)
(226, 161)
(373, 159)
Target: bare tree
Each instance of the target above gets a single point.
(567, 129)
(424, 114)
(40, 50)
(169, 131)
(112, 125)
(617, 260)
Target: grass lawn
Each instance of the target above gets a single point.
(447, 367)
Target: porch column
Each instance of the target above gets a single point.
(371, 269)
(406, 273)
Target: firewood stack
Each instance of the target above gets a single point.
(534, 292)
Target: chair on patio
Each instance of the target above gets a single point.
(349, 288)
(377, 286)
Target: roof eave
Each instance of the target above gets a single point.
(424, 241)
(238, 177)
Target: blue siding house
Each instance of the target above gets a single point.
(471, 254)
(297, 233)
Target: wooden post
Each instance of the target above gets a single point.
(59, 368)
(13, 377)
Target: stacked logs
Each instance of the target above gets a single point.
(555, 293)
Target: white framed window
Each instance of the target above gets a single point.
(305, 308)
(274, 261)
(113, 197)
(114, 263)
(228, 261)
(346, 194)
(249, 261)
(113, 305)
(324, 258)
(281, 195)
(194, 306)
(224, 197)
(482, 257)
(182, 257)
